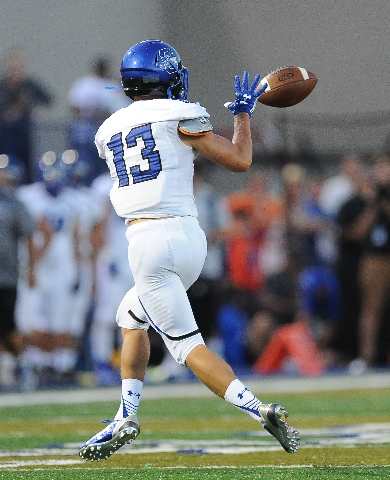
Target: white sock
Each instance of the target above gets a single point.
(238, 395)
(131, 395)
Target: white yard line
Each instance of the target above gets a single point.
(260, 385)
(341, 436)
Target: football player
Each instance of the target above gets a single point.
(53, 346)
(113, 280)
(90, 213)
(150, 147)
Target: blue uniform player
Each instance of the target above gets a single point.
(150, 147)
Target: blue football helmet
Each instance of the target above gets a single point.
(153, 66)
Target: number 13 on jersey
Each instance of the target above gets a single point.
(144, 134)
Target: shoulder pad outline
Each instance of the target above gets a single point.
(195, 126)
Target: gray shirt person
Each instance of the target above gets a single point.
(16, 223)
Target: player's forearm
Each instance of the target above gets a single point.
(235, 155)
(242, 138)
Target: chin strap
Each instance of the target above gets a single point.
(183, 80)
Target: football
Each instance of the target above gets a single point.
(287, 86)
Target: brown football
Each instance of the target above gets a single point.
(287, 86)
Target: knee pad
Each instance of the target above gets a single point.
(179, 349)
(130, 314)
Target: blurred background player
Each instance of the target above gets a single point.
(16, 226)
(47, 310)
(91, 215)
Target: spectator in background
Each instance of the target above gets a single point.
(327, 230)
(353, 219)
(291, 349)
(258, 333)
(16, 225)
(264, 207)
(374, 274)
(243, 270)
(255, 212)
(339, 188)
(20, 94)
(279, 295)
(304, 345)
(91, 103)
(305, 222)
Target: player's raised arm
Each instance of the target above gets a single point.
(235, 155)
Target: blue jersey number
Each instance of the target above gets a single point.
(144, 133)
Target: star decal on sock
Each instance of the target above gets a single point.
(131, 393)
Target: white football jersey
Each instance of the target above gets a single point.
(151, 167)
(89, 210)
(60, 213)
(115, 232)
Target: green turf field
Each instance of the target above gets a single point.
(344, 434)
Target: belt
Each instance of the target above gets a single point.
(139, 220)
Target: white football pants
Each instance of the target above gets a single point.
(166, 256)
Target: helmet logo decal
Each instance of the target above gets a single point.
(166, 60)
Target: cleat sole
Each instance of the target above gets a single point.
(275, 422)
(105, 450)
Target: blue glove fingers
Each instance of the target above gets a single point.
(245, 80)
(237, 87)
(255, 83)
(261, 90)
